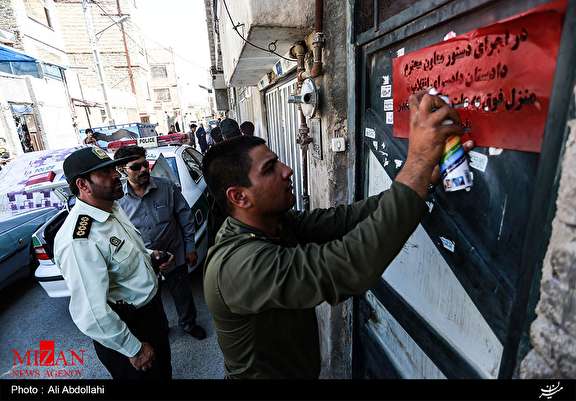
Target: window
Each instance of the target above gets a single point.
(20, 68)
(52, 71)
(159, 71)
(162, 95)
(193, 164)
(36, 10)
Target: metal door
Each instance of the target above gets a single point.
(454, 303)
(283, 122)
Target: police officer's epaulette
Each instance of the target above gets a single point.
(83, 224)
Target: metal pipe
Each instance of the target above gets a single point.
(299, 51)
(303, 139)
(319, 15)
(318, 40)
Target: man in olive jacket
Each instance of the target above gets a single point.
(271, 266)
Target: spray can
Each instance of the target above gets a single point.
(454, 167)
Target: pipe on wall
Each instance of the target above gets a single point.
(299, 51)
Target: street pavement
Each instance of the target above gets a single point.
(28, 315)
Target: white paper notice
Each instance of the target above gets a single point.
(385, 79)
(386, 91)
(400, 52)
(389, 117)
(478, 160)
(388, 104)
(370, 133)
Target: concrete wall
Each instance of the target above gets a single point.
(54, 111)
(38, 39)
(12, 89)
(9, 23)
(553, 333)
(51, 108)
(329, 180)
(264, 22)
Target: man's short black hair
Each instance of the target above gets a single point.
(193, 125)
(229, 128)
(131, 150)
(228, 164)
(247, 128)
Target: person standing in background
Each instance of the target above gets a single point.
(229, 128)
(191, 137)
(247, 128)
(159, 211)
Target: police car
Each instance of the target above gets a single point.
(179, 163)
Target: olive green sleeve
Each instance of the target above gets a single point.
(321, 225)
(260, 275)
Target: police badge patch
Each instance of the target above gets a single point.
(100, 153)
(83, 225)
(115, 241)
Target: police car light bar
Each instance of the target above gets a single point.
(162, 140)
(40, 178)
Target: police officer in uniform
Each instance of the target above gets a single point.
(271, 266)
(113, 285)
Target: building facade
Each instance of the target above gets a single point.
(165, 90)
(123, 61)
(35, 104)
(482, 289)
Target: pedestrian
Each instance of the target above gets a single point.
(247, 128)
(158, 210)
(90, 139)
(271, 266)
(201, 135)
(172, 129)
(214, 137)
(114, 296)
(191, 137)
(229, 128)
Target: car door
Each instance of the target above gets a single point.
(194, 190)
(8, 252)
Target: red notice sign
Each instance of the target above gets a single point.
(500, 78)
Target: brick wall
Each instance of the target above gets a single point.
(553, 333)
(8, 22)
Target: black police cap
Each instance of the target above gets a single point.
(89, 159)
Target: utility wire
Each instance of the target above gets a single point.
(271, 46)
(134, 26)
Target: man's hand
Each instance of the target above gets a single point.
(144, 358)
(191, 258)
(426, 141)
(166, 264)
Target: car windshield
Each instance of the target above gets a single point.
(172, 163)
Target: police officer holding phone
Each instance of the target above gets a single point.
(110, 274)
